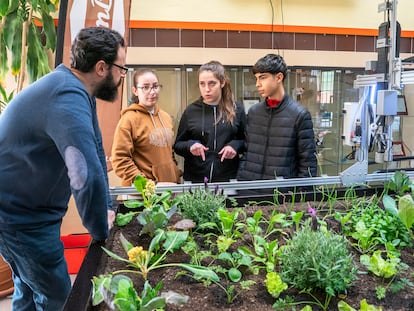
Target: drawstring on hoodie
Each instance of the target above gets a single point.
(155, 135)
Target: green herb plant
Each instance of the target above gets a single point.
(261, 226)
(314, 260)
(6, 98)
(329, 197)
(201, 205)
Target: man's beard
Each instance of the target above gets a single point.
(108, 90)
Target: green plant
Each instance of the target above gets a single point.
(405, 210)
(265, 252)
(371, 226)
(192, 249)
(145, 261)
(296, 218)
(6, 98)
(400, 183)
(364, 306)
(118, 292)
(157, 208)
(259, 225)
(387, 269)
(227, 229)
(201, 205)
(20, 35)
(317, 260)
(229, 288)
(261, 231)
(235, 260)
(366, 240)
(274, 284)
(329, 196)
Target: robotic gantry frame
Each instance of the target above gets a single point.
(371, 119)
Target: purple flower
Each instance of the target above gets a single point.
(216, 189)
(312, 211)
(205, 180)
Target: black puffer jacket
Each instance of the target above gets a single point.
(198, 124)
(280, 142)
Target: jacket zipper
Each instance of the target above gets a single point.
(267, 141)
(214, 142)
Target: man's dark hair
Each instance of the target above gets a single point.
(271, 63)
(93, 44)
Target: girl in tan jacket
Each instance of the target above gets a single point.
(144, 135)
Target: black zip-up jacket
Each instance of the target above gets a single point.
(199, 124)
(280, 142)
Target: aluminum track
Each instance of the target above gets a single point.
(232, 186)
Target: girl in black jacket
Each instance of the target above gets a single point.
(211, 132)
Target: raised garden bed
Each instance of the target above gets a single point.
(366, 286)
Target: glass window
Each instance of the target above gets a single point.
(321, 90)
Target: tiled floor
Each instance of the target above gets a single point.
(5, 303)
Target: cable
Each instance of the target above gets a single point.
(273, 16)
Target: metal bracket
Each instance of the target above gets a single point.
(355, 174)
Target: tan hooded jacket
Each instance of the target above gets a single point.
(143, 146)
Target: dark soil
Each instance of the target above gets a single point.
(213, 298)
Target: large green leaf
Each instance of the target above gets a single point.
(125, 243)
(49, 31)
(16, 49)
(34, 3)
(10, 28)
(389, 204)
(3, 59)
(37, 61)
(7, 6)
(4, 7)
(406, 210)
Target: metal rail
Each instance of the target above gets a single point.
(232, 186)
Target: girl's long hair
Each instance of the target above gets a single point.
(227, 105)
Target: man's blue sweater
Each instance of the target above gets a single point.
(50, 147)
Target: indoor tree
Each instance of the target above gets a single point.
(28, 35)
